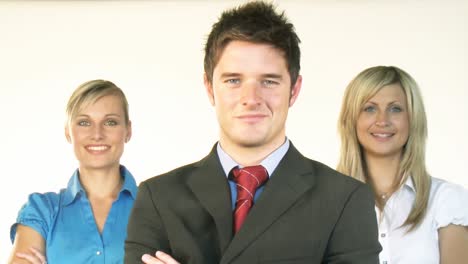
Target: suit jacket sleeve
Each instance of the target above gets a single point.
(145, 230)
(355, 236)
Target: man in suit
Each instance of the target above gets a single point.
(304, 213)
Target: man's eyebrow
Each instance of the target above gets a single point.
(230, 74)
(273, 76)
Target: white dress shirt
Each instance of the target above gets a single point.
(448, 204)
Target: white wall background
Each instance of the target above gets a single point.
(154, 50)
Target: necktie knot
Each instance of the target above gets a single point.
(248, 179)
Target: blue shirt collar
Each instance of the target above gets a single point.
(270, 162)
(74, 187)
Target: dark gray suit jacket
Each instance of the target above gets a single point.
(307, 213)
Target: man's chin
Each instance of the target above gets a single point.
(245, 140)
(251, 143)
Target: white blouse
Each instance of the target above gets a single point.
(448, 204)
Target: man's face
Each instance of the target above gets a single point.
(251, 91)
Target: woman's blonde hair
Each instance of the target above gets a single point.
(363, 87)
(91, 91)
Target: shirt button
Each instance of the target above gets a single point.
(383, 235)
(385, 262)
(98, 252)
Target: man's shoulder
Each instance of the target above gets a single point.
(318, 170)
(326, 175)
(174, 176)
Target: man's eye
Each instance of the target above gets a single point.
(233, 81)
(269, 82)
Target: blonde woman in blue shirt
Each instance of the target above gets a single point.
(383, 129)
(86, 222)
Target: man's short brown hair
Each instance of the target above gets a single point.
(256, 22)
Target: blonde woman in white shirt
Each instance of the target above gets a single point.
(383, 130)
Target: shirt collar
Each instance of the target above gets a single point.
(409, 183)
(270, 162)
(129, 182)
(74, 187)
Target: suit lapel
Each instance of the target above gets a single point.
(287, 184)
(210, 186)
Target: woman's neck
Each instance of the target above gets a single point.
(101, 183)
(383, 173)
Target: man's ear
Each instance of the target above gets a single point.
(209, 89)
(295, 89)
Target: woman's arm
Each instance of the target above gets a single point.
(25, 239)
(453, 244)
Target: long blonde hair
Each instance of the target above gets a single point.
(363, 87)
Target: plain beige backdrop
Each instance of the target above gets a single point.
(154, 51)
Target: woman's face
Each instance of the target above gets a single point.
(98, 133)
(383, 123)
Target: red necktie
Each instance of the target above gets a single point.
(248, 179)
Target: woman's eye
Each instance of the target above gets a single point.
(369, 109)
(395, 109)
(83, 123)
(111, 123)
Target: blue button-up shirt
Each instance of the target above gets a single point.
(66, 222)
(270, 163)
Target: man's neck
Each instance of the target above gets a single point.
(250, 155)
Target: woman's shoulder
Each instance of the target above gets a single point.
(443, 190)
(41, 206)
(448, 201)
(38, 212)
